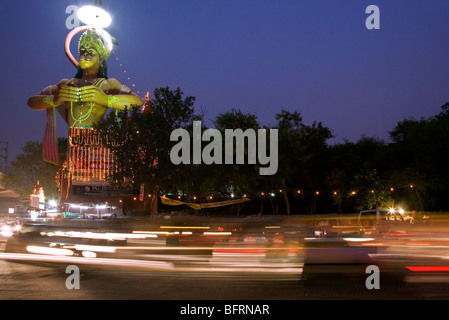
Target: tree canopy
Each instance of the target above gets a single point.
(28, 169)
(313, 175)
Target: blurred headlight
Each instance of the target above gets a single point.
(89, 254)
(6, 231)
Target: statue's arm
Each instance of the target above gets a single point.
(122, 101)
(121, 97)
(47, 98)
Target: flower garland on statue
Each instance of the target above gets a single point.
(83, 117)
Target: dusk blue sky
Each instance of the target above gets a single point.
(313, 56)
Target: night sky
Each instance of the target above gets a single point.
(313, 56)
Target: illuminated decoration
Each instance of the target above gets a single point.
(88, 160)
(147, 106)
(130, 81)
(37, 198)
(94, 16)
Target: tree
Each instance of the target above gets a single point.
(421, 149)
(302, 155)
(241, 178)
(357, 174)
(369, 191)
(28, 168)
(140, 142)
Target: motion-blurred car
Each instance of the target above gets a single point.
(350, 239)
(8, 228)
(42, 235)
(382, 221)
(377, 222)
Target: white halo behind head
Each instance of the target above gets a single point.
(94, 17)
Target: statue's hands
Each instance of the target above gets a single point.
(93, 94)
(83, 94)
(70, 94)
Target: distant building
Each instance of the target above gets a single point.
(9, 201)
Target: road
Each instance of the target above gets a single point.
(150, 270)
(43, 281)
(321, 289)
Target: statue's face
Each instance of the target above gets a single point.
(89, 57)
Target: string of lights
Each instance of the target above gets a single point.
(129, 82)
(297, 192)
(337, 192)
(301, 192)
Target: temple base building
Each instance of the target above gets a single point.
(83, 183)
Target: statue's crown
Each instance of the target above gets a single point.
(91, 37)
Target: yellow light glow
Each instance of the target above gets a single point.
(49, 251)
(151, 232)
(182, 227)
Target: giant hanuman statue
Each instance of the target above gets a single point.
(82, 102)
